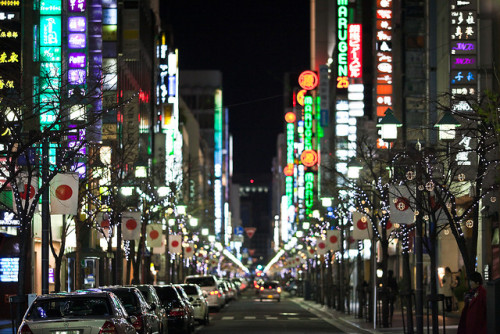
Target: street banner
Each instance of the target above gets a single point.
(64, 194)
(103, 223)
(389, 227)
(362, 226)
(131, 225)
(401, 205)
(174, 243)
(311, 252)
(153, 235)
(189, 250)
(26, 190)
(321, 246)
(333, 238)
(250, 231)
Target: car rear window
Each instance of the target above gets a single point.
(129, 300)
(167, 293)
(68, 307)
(270, 285)
(190, 289)
(201, 281)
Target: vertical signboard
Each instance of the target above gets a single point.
(10, 45)
(383, 47)
(218, 140)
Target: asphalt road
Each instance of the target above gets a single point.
(248, 315)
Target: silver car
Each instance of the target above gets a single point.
(199, 303)
(82, 312)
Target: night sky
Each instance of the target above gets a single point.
(253, 43)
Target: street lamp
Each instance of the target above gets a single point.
(447, 126)
(389, 125)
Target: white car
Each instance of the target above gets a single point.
(210, 286)
(199, 302)
(270, 290)
(77, 312)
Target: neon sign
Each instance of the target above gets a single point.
(308, 80)
(77, 60)
(9, 269)
(77, 24)
(50, 30)
(342, 69)
(77, 41)
(354, 54)
(309, 158)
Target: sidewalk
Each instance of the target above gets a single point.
(350, 322)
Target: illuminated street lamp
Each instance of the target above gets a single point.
(389, 125)
(447, 126)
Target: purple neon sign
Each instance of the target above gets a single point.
(77, 60)
(77, 6)
(77, 24)
(77, 76)
(77, 41)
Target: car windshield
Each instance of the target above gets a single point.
(201, 281)
(166, 293)
(190, 289)
(68, 307)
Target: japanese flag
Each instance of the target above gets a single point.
(362, 226)
(401, 205)
(389, 227)
(311, 252)
(64, 194)
(321, 246)
(153, 235)
(174, 244)
(131, 225)
(333, 238)
(189, 250)
(27, 188)
(103, 223)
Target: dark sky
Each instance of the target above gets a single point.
(253, 43)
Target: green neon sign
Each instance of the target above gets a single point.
(309, 190)
(50, 53)
(308, 122)
(50, 7)
(342, 14)
(50, 31)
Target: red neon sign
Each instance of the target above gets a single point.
(354, 52)
(288, 170)
(309, 158)
(308, 80)
(290, 117)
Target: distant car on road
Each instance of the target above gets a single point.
(82, 312)
(210, 285)
(270, 290)
(199, 302)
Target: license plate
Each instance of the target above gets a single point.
(270, 296)
(66, 332)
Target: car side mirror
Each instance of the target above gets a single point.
(132, 319)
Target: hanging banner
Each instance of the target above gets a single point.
(103, 223)
(26, 190)
(333, 238)
(131, 225)
(401, 205)
(189, 250)
(153, 235)
(362, 226)
(174, 244)
(64, 194)
(321, 246)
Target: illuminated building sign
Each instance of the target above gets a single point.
(308, 147)
(49, 7)
(77, 41)
(342, 48)
(77, 77)
(354, 53)
(308, 122)
(77, 24)
(309, 158)
(77, 6)
(309, 191)
(290, 117)
(9, 269)
(463, 53)
(10, 45)
(50, 54)
(77, 60)
(289, 168)
(50, 30)
(218, 147)
(300, 96)
(308, 80)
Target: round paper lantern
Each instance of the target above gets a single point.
(309, 158)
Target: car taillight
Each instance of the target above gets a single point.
(25, 329)
(138, 323)
(261, 288)
(279, 290)
(176, 312)
(108, 327)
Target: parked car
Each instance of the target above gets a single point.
(199, 302)
(294, 287)
(210, 285)
(135, 304)
(186, 300)
(270, 290)
(179, 319)
(149, 293)
(82, 312)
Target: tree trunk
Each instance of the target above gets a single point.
(406, 289)
(385, 290)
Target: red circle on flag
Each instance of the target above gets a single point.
(131, 224)
(321, 245)
(311, 251)
(175, 243)
(333, 239)
(64, 192)
(388, 225)
(32, 192)
(105, 223)
(351, 240)
(154, 234)
(189, 249)
(362, 225)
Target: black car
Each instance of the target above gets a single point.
(149, 293)
(180, 320)
(135, 304)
